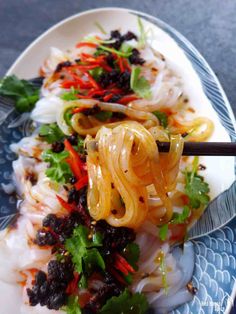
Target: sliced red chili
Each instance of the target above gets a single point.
(77, 110)
(67, 206)
(107, 97)
(87, 67)
(81, 183)
(74, 161)
(126, 64)
(117, 276)
(86, 44)
(126, 99)
(121, 268)
(121, 66)
(73, 284)
(121, 260)
(92, 80)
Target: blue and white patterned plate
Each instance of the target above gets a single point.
(215, 247)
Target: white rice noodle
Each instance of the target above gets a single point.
(56, 56)
(166, 87)
(46, 109)
(178, 263)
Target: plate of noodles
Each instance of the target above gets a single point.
(94, 218)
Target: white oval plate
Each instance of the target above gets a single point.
(200, 83)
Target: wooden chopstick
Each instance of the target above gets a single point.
(202, 148)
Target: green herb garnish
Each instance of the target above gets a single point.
(67, 116)
(22, 92)
(126, 303)
(125, 48)
(163, 231)
(71, 95)
(72, 306)
(83, 283)
(84, 253)
(196, 188)
(139, 84)
(118, 52)
(51, 133)
(96, 73)
(162, 117)
(176, 219)
(59, 170)
(131, 254)
(180, 218)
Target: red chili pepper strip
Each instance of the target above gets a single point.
(86, 44)
(92, 80)
(75, 84)
(107, 97)
(74, 160)
(74, 168)
(118, 265)
(126, 64)
(91, 59)
(106, 67)
(77, 110)
(73, 284)
(123, 261)
(96, 92)
(121, 66)
(81, 183)
(67, 206)
(87, 67)
(69, 84)
(126, 99)
(117, 276)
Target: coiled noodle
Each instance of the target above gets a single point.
(124, 164)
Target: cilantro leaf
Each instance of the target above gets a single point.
(72, 306)
(180, 218)
(83, 282)
(196, 189)
(93, 259)
(131, 254)
(96, 73)
(139, 84)
(126, 48)
(51, 133)
(71, 95)
(83, 252)
(80, 145)
(97, 239)
(162, 117)
(163, 232)
(176, 219)
(103, 115)
(126, 303)
(24, 93)
(59, 171)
